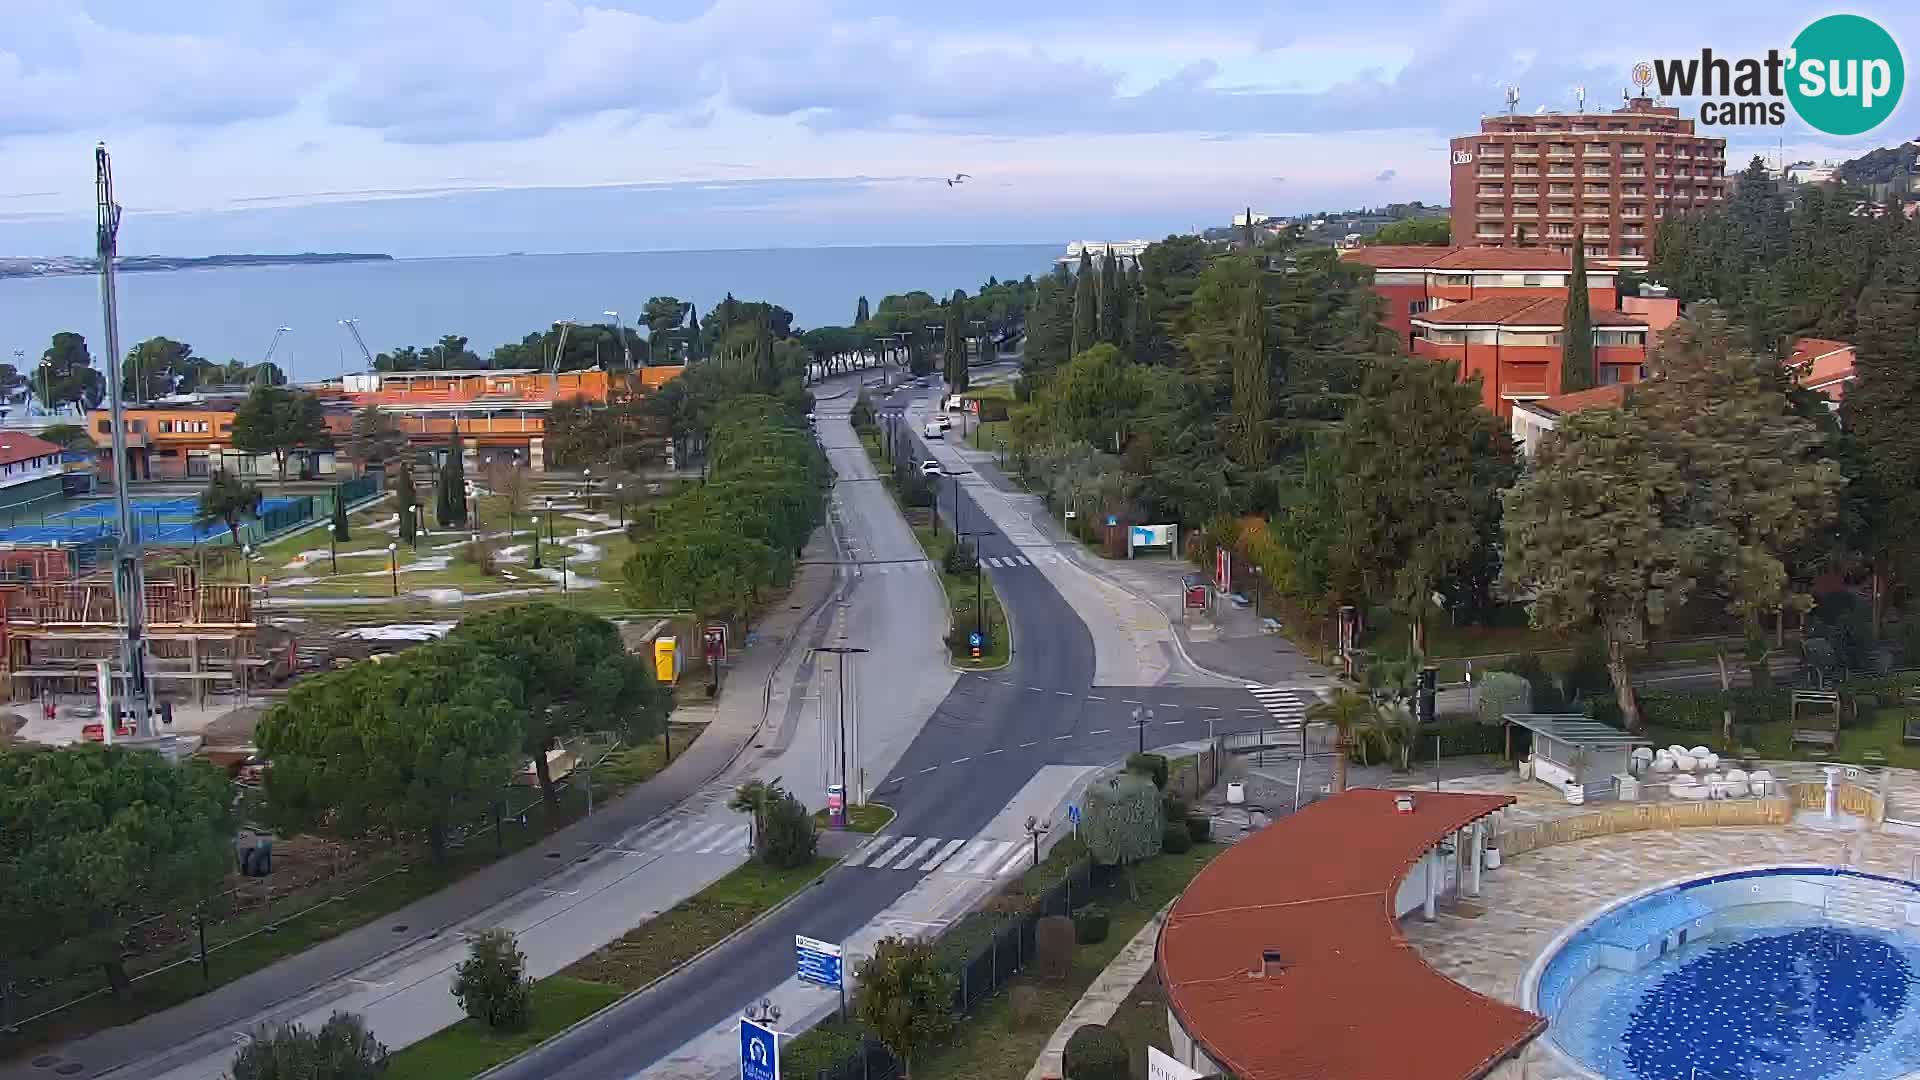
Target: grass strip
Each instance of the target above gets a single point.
(971, 600)
(469, 1047)
(867, 818)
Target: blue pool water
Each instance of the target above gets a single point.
(1765, 990)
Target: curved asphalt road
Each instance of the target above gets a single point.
(980, 746)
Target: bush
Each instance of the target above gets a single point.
(491, 984)
(1199, 828)
(1149, 765)
(1545, 689)
(791, 839)
(916, 491)
(1586, 674)
(343, 1049)
(960, 559)
(1090, 924)
(1701, 710)
(1096, 1053)
(1173, 808)
(1503, 692)
(1053, 939)
(483, 555)
(1176, 840)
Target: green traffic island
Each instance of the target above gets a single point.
(865, 818)
(972, 603)
(1000, 1031)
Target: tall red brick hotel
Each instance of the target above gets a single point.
(1542, 179)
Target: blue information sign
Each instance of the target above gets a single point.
(817, 961)
(974, 639)
(759, 1052)
(1073, 813)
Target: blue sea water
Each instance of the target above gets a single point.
(232, 313)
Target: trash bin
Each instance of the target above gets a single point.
(1236, 793)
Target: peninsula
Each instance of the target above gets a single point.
(14, 266)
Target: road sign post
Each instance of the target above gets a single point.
(759, 1052)
(1073, 818)
(820, 962)
(974, 640)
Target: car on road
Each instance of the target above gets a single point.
(955, 403)
(930, 468)
(936, 431)
(944, 421)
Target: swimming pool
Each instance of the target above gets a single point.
(1770, 973)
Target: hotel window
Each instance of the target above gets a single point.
(1416, 307)
(1534, 281)
(1483, 337)
(1530, 338)
(1619, 337)
(103, 428)
(166, 427)
(1456, 279)
(1446, 337)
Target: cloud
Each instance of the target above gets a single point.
(1386, 174)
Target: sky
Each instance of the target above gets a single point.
(458, 127)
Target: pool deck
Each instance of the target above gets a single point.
(1489, 943)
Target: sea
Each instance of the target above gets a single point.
(233, 313)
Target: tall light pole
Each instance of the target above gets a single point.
(129, 578)
(840, 672)
(393, 566)
(619, 503)
(536, 541)
(620, 331)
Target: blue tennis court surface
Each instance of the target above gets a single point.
(160, 521)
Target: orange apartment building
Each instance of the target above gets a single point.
(1546, 178)
(1514, 344)
(498, 413)
(1413, 280)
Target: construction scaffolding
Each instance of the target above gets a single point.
(199, 637)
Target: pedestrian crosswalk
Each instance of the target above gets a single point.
(692, 838)
(997, 562)
(1282, 704)
(930, 854)
(1004, 562)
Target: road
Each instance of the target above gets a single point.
(977, 748)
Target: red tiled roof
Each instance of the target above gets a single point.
(1599, 397)
(1520, 311)
(1353, 1000)
(1397, 256)
(16, 447)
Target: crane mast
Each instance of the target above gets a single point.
(129, 575)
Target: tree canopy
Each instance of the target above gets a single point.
(69, 377)
(277, 420)
(227, 499)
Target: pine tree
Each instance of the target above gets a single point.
(1879, 411)
(1086, 302)
(1576, 356)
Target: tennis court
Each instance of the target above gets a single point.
(159, 521)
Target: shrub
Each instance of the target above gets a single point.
(1176, 840)
(1053, 939)
(1701, 710)
(791, 839)
(1545, 689)
(1096, 1053)
(1199, 828)
(483, 555)
(960, 559)
(916, 491)
(1090, 924)
(1503, 692)
(1173, 808)
(1586, 674)
(1149, 765)
(343, 1049)
(491, 984)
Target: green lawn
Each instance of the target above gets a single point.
(991, 435)
(1879, 732)
(678, 934)
(1141, 1020)
(867, 818)
(969, 595)
(468, 1048)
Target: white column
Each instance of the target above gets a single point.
(537, 455)
(1432, 869)
(1479, 840)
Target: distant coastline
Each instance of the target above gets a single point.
(54, 266)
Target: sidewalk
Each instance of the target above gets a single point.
(738, 717)
(1233, 645)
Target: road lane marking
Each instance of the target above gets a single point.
(938, 857)
(1063, 738)
(1025, 745)
(892, 849)
(1090, 697)
(990, 753)
(928, 769)
(961, 760)
(915, 855)
(1099, 731)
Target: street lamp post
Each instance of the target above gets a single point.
(840, 674)
(563, 574)
(1035, 831)
(620, 331)
(536, 541)
(1140, 724)
(393, 566)
(619, 503)
(549, 505)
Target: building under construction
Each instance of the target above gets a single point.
(199, 637)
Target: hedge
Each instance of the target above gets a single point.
(1704, 710)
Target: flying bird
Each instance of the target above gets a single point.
(959, 178)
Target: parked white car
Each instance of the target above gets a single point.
(930, 468)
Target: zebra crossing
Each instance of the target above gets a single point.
(1281, 703)
(692, 838)
(932, 854)
(998, 562)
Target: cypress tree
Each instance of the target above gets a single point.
(954, 341)
(1085, 307)
(451, 496)
(339, 515)
(1576, 355)
(1139, 330)
(1112, 301)
(1252, 378)
(860, 314)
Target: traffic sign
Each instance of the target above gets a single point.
(974, 639)
(1073, 813)
(759, 1052)
(1113, 519)
(818, 961)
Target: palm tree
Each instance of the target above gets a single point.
(1399, 726)
(1351, 714)
(754, 797)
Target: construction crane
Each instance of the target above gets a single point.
(353, 327)
(271, 346)
(560, 348)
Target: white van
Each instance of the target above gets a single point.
(936, 430)
(955, 403)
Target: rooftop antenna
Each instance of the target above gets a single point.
(1513, 99)
(129, 577)
(1580, 96)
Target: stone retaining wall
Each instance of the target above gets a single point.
(1640, 817)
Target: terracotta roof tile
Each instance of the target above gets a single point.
(1493, 258)
(1598, 397)
(1398, 256)
(1352, 999)
(16, 447)
(1520, 311)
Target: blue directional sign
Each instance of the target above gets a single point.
(1073, 813)
(759, 1052)
(817, 961)
(1113, 519)
(974, 639)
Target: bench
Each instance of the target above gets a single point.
(1816, 737)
